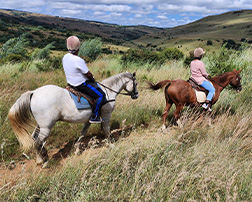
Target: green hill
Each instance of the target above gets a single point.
(43, 29)
(236, 26)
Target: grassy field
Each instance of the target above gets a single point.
(208, 159)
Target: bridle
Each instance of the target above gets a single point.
(133, 93)
(237, 77)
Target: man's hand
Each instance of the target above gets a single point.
(90, 76)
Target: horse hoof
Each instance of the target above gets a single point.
(78, 149)
(77, 152)
(39, 161)
(45, 165)
(179, 124)
(163, 127)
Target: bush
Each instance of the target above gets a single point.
(91, 48)
(189, 59)
(172, 54)
(50, 64)
(15, 46)
(209, 43)
(141, 56)
(220, 62)
(230, 44)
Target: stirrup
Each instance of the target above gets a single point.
(95, 119)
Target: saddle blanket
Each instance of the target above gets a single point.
(201, 96)
(83, 104)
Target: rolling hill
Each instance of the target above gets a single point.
(236, 26)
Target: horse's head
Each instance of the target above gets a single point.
(131, 86)
(236, 80)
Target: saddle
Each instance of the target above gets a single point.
(196, 86)
(200, 92)
(82, 101)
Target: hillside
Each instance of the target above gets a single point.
(43, 29)
(236, 25)
(13, 22)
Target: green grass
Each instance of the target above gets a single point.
(208, 159)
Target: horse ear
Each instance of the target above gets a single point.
(134, 74)
(239, 71)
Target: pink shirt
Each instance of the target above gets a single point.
(198, 71)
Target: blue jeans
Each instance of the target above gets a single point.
(211, 90)
(92, 89)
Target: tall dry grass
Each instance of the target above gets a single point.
(208, 159)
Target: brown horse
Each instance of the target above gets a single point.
(181, 93)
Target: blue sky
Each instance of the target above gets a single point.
(157, 13)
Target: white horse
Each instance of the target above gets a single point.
(49, 104)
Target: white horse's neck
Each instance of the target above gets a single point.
(116, 83)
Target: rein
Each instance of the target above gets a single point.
(128, 94)
(217, 83)
(220, 84)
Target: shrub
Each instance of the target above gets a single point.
(50, 64)
(91, 48)
(209, 43)
(188, 59)
(45, 52)
(14, 58)
(230, 44)
(220, 62)
(173, 54)
(15, 46)
(141, 56)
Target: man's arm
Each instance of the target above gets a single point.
(90, 76)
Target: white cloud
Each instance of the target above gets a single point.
(138, 15)
(116, 14)
(98, 13)
(163, 17)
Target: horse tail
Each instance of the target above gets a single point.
(20, 117)
(159, 85)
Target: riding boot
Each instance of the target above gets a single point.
(208, 105)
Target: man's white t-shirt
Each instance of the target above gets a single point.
(75, 68)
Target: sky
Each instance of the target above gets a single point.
(155, 13)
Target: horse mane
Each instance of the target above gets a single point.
(222, 77)
(115, 78)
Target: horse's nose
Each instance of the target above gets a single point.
(135, 96)
(239, 88)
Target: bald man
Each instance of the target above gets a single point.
(80, 78)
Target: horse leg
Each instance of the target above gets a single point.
(177, 113)
(78, 146)
(39, 135)
(105, 126)
(165, 114)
